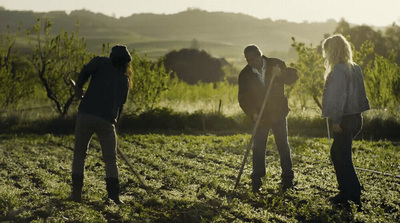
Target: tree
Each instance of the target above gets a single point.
(342, 27)
(381, 77)
(149, 81)
(310, 68)
(192, 66)
(392, 42)
(55, 60)
(15, 81)
(385, 43)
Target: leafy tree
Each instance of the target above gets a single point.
(392, 42)
(55, 59)
(192, 66)
(381, 76)
(149, 81)
(385, 43)
(342, 27)
(15, 82)
(310, 67)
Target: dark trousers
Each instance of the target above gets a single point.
(279, 129)
(86, 126)
(341, 155)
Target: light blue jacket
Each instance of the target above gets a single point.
(344, 93)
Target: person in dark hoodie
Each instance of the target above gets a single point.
(98, 112)
(254, 80)
(344, 99)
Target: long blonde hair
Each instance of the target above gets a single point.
(336, 49)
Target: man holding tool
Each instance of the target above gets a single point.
(98, 113)
(261, 91)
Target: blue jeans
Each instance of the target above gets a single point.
(341, 156)
(279, 129)
(86, 126)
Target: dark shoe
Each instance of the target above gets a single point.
(113, 190)
(256, 184)
(77, 184)
(357, 201)
(287, 184)
(340, 198)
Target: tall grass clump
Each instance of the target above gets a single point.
(206, 97)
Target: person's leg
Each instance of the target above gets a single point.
(108, 141)
(83, 134)
(341, 155)
(259, 148)
(337, 158)
(281, 139)
(351, 127)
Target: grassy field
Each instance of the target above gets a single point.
(191, 179)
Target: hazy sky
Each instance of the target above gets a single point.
(369, 12)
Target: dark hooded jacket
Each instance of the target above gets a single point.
(252, 91)
(107, 91)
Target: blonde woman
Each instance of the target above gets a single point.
(344, 99)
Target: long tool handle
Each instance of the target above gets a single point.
(255, 128)
(329, 133)
(131, 167)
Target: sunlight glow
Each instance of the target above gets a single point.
(376, 13)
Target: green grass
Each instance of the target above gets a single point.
(191, 179)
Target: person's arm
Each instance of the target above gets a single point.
(87, 70)
(248, 96)
(288, 75)
(335, 96)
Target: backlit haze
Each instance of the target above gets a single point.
(360, 12)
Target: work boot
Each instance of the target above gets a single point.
(113, 189)
(77, 184)
(287, 184)
(256, 184)
(339, 198)
(357, 202)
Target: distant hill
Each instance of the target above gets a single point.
(220, 34)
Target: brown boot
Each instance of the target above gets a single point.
(77, 184)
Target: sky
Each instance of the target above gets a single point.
(360, 12)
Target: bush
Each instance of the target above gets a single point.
(192, 66)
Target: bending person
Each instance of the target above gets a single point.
(254, 80)
(98, 113)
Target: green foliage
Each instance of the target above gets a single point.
(150, 80)
(310, 68)
(55, 59)
(191, 179)
(392, 42)
(15, 80)
(381, 76)
(384, 43)
(207, 97)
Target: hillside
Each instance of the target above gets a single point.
(221, 34)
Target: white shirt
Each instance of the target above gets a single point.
(263, 69)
